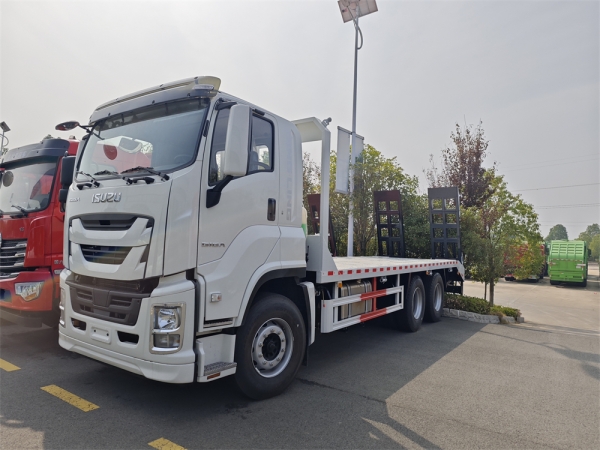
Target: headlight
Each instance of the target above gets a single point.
(29, 291)
(166, 318)
(167, 328)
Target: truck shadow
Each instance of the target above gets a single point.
(338, 400)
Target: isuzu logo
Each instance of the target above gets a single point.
(107, 197)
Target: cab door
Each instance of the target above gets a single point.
(238, 234)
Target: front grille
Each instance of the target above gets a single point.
(103, 254)
(12, 257)
(111, 300)
(140, 286)
(105, 222)
(111, 222)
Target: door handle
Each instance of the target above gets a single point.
(271, 209)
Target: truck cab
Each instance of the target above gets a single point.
(31, 232)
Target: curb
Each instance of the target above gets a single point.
(479, 318)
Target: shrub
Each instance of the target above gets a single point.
(478, 305)
(505, 311)
(466, 303)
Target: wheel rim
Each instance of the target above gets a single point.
(417, 303)
(272, 347)
(437, 297)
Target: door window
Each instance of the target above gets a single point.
(260, 157)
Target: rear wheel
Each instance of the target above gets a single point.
(269, 347)
(553, 283)
(411, 317)
(434, 298)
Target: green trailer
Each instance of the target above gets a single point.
(568, 262)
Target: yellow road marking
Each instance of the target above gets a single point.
(5, 365)
(72, 399)
(165, 444)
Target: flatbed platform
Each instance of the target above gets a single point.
(347, 268)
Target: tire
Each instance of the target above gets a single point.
(411, 317)
(583, 283)
(434, 298)
(276, 321)
(553, 283)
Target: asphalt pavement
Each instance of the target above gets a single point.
(453, 384)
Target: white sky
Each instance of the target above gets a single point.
(529, 70)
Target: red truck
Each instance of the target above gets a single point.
(31, 232)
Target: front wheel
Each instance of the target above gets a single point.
(269, 347)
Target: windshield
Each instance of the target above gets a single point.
(163, 137)
(26, 186)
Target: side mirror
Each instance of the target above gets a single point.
(237, 141)
(62, 196)
(66, 171)
(66, 178)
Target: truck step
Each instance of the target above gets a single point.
(209, 369)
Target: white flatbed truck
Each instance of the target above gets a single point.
(185, 256)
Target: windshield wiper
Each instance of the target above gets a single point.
(106, 172)
(91, 183)
(23, 210)
(129, 180)
(164, 176)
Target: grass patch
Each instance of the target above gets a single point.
(478, 305)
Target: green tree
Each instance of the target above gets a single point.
(311, 179)
(490, 232)
(595, 247)
(589, 233)
(462, 166)
(372, 172)
(557, 232)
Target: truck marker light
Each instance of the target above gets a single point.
(29, 291)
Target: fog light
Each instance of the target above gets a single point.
(167, 340)
(167, 318)
(29, 291)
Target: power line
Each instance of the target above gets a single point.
(580, 205)
(540, 166)
(556, 187)
(570, 158)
